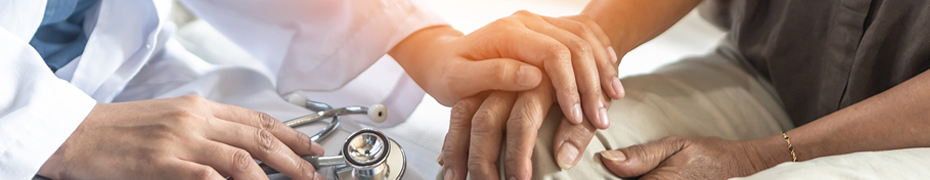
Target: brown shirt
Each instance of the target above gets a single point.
(824, 55)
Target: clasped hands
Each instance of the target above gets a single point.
(531, 62)
(580, 74)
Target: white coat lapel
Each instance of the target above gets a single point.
(22, 17)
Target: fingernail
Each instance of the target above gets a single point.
(528, 76)
(602, 115)
(513, 178)
(614, 155)
(576, 113)
(618, 87)
(567, 155)
(613, 54)
(450, 174)
(439, 159)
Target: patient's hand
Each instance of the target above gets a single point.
(480, 123)
(696, 158)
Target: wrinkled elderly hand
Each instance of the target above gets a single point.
(479, 124)
(187, 137)
(696, 158)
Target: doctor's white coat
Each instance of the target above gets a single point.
(315, 45)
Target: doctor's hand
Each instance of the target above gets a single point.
(507, 55)
(481, 123)
(187, 137)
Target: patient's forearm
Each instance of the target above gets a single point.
(896, 118)
(630, 23)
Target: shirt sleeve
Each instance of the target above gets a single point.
(38, 111)
(322, 43)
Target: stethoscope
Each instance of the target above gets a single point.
(367, 153)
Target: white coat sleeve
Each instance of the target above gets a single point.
(38, 111)
(315, 44)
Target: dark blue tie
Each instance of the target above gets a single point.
(61, 37)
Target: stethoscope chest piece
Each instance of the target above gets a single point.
(367, 154)
(371, 156)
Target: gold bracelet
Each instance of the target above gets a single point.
(794, 158)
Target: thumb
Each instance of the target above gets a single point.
(472, 77)
(637, 160)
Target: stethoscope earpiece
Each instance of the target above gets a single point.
(378, 113)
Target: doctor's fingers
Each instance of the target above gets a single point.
(586, 48)
(223, 158)
(556, 59)
(260, 144)
(487, 133)
(187, 170)
(607, 62)
(467, 78)
(529, 111)
(514, 37)
(297, 141)
(454, 156)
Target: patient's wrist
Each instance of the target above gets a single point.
(768, 152)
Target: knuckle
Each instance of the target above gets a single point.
(193, 98)
(569, 91)
(523, 13)
(462, 109)
(636, 149)
(506, 21)
(306, 167)
(481, 167)
(266, 122)
(181, 113)
(201, 173)
(450, 150)
(520, 122)
(484, 119)
(580, 46)
(475, 164)
(181, 118)
(579, 135)
(559, 53)
(266, 141)
(240, 160)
